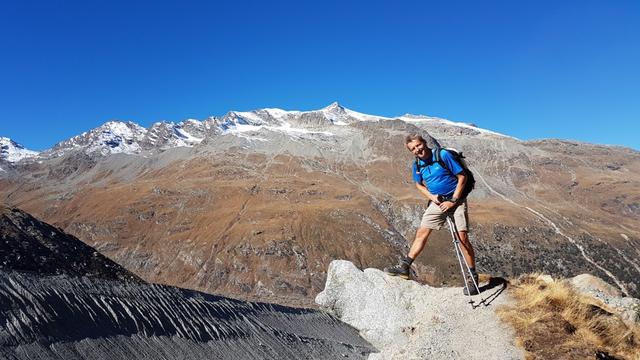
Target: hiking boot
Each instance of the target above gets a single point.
(401, 270)
(470, 288)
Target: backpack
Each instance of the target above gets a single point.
(471, 181)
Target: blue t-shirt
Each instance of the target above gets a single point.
(437, 179)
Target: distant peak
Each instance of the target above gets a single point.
(119, 123)
(334, 107)
(123, 128)
(112, 123)
(164, 123)
(6, 140)
(12, 151)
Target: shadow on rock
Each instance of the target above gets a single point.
(494, 282)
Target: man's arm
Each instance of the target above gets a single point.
(462, 179)
(424, 191)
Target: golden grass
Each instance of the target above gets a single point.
(553, 321)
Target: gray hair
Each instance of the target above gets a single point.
(428, 140)
(413, 137)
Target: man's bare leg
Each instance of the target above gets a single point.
(403, 269)
(420, 241)
(467, 249)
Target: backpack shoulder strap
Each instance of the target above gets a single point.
(417, 165)
(438, 158)
(438, 153)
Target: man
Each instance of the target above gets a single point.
(444, 189)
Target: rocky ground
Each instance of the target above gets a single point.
(408, 320)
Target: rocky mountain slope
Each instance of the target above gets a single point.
(29, 245)
(266, 199)
(58, 304)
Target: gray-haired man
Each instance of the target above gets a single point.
(443, 186)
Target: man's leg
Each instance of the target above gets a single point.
(420, 241)
(467, 249)
(469, 256)
(461, 218)
(403, 269)
(431, 219)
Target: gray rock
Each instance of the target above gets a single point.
(589, 283)
(407, 320)
(627, 307)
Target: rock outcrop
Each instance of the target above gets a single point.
(408, 320)
(627, 307)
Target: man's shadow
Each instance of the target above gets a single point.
(499, 284)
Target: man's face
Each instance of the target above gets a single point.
(418, 148)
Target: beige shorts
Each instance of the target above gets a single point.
(434, 217)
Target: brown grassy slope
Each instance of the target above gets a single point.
(552, 321)
(258, 228)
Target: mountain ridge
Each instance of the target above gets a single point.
(115, 136)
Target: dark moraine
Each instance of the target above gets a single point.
(97, 310)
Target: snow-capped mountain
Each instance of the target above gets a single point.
(168, 134)
(110, 138)
(11, 151)
(291, 123)
(130, 138)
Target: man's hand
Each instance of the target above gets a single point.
(435, 198)
(446, 205)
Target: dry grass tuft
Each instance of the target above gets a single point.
(553, 321)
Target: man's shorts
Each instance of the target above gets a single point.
(434, 217)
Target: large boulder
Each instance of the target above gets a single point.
(587, 283)
(627, 307)
(407, 320)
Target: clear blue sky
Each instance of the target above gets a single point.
(530, 69)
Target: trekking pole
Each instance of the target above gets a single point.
(461, 258)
